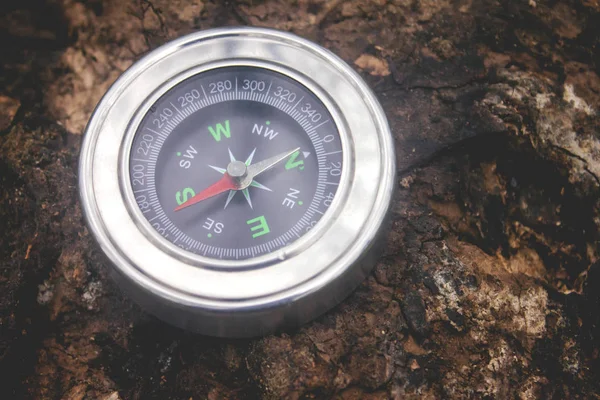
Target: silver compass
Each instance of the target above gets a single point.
(239, 180)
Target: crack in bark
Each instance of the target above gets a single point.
(577, 157)
(467, 83)
(146, 5)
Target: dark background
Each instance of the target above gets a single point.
(489, 284)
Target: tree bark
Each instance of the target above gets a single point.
(489, 286)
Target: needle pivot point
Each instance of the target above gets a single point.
(238, 173)
(237, 169)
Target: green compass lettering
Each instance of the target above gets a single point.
(292, 163)
(221, 179)
(260, 226)
(220, 129)
(183, 196)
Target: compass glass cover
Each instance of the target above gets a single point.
(200, 127)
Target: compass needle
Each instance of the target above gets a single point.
(226, 111)
(260, 167)
(222, 185)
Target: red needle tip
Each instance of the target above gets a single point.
(222, 185)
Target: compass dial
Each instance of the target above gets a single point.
(235, 162)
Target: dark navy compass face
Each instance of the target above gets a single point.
(192, 133)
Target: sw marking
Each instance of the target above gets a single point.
(189, 154)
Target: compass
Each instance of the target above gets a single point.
(238, 179)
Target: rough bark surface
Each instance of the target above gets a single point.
(490, 283)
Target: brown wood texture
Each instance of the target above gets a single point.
(489, 286)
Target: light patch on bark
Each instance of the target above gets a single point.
(542, 100)
(373, 65)
(523, 313)
(577, 102)
(554, 116)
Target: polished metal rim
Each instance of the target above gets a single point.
(312, 266)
